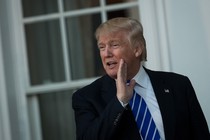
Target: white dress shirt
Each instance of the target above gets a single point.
(145, 90)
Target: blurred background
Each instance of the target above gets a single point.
(48, 50)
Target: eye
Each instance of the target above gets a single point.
(115, 45)
(101, 47)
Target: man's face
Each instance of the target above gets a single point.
(116, 46)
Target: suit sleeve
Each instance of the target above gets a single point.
(198, 122)
(94, 125)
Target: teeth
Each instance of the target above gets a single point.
(110, 63)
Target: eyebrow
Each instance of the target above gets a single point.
(111, 41)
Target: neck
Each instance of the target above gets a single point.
(133, 73)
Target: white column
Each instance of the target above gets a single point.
(14, 69)
(152, 16)
(4, 114)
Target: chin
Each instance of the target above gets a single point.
(112, 75)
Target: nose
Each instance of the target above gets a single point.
(107, 52)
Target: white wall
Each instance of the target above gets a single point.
(188, 24)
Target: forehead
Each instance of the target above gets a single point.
(112, 36)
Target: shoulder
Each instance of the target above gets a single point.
(93, 93)
(178, 82)
(167, 77)
(97, 84)
(94, 87)
(164, 74)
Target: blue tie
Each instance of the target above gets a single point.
(145, 123)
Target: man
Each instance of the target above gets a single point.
(110, 108)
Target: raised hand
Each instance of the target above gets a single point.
(124, 90)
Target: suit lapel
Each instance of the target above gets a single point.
(164, 95)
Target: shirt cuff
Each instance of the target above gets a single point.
(123, 104)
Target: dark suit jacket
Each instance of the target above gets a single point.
(100, 116)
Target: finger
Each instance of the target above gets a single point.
(122, 71)
(132, 84)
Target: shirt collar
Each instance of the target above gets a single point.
(141, 77)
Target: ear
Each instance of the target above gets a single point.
(138, 50)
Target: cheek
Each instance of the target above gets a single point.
(118, 54)
(128, 55)
(102, 56)
(102, 59)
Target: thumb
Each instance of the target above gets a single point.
(132, 84)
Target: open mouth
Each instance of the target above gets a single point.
(111, 64)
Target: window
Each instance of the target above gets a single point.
(62, 56)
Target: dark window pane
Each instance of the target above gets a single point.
(117, 1)
(83, 51)
(130, 12)
(39, 7)
(79, 4)
(45, 55)
(57, 116)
